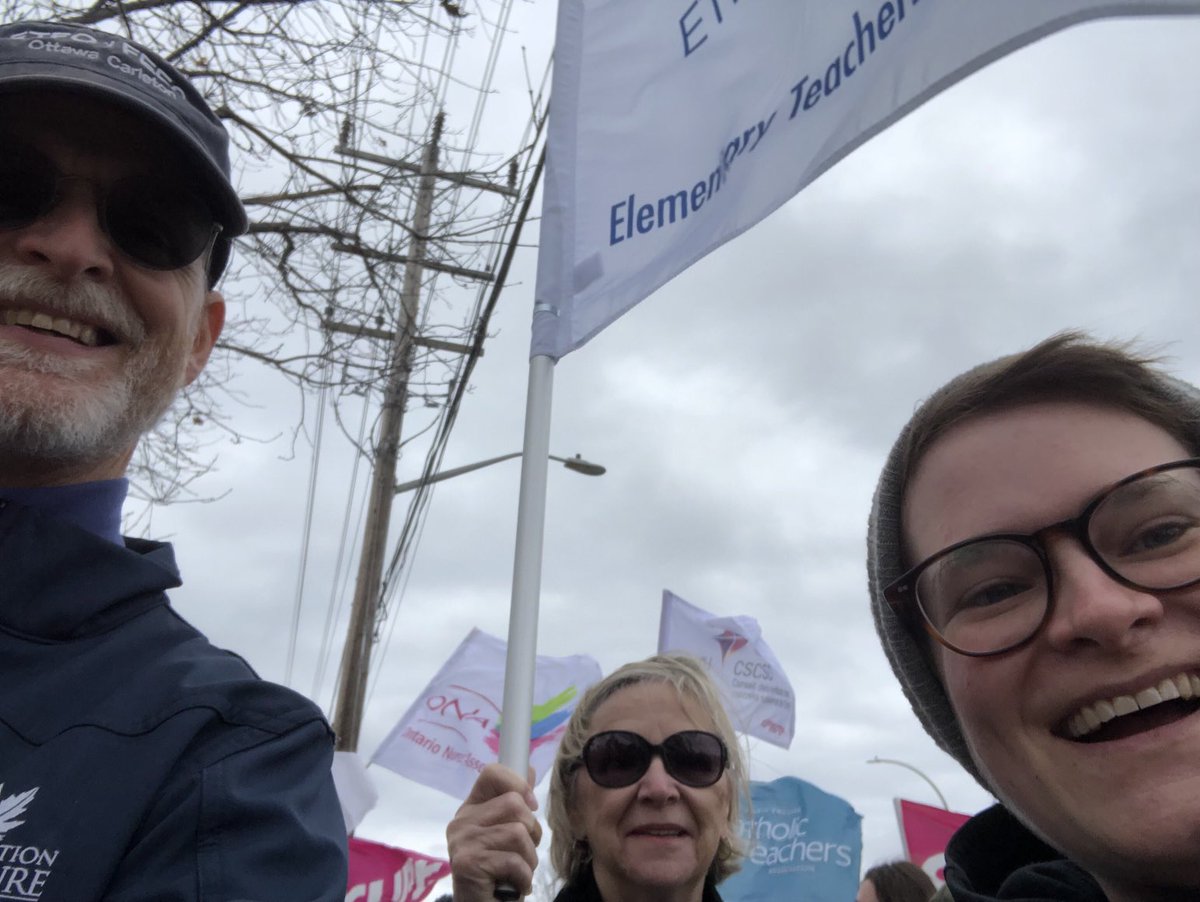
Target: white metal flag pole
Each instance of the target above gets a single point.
(520, 665)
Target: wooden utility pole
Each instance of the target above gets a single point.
(356, 657)
(364, 611)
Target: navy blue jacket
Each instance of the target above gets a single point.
(994, 857)
(137, 761)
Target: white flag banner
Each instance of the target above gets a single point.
(761, 698)
(356, 793)
(452, 730)
(674, 127)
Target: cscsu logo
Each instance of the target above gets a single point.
(755, 670)
(773, 727)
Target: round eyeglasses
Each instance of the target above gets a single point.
(618, 758)
(992, 594)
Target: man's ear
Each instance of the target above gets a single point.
(208, 330)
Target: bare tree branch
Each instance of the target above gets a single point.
(329, 105)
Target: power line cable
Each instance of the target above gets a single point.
(413, 529)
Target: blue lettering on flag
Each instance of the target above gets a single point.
(868, 35)
(633, 216)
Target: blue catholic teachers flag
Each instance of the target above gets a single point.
(802, 845)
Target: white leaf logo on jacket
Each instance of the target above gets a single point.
(13, 807)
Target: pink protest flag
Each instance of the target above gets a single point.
(926, 831)
(379, 872)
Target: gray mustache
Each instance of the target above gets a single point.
(98, 305)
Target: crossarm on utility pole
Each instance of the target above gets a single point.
(356, 658)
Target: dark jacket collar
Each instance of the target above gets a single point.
(60, 582)
(995, 857)
(584, 889)
(94, 506)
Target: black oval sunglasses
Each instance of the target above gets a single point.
(619, 758)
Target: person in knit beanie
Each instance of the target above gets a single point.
(1034, 572)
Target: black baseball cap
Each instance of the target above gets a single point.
(82, 60)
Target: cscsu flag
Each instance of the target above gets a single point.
(453, 728)
(926, 831)
(674, 127)
(760, 698)
(379, 872)
(801, 843)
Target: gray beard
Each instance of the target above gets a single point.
(62, 410)
(82, 420)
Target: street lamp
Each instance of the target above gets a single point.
(916, 771)
(360, 636)
(576, 463)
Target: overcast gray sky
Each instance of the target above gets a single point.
(745, 409)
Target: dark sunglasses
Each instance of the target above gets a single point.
(619, 758)
(155, 221)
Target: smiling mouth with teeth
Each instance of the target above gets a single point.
(86, 335)
(1124, 715)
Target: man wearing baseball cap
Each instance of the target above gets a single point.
(137, 761)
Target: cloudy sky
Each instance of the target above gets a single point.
(744, 410)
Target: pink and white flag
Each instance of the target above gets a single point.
(379, 873)
(452, 730)
(674, 127)
(925, 831)
(760, 699)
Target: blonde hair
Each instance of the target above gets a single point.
(691, 680)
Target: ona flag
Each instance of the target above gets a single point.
(676, 126)
(379, 873)
(452, 730)
(760, 698)
(801, 843)
(925, 831)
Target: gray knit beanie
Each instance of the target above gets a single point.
(1067, 367)
(885, 562)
